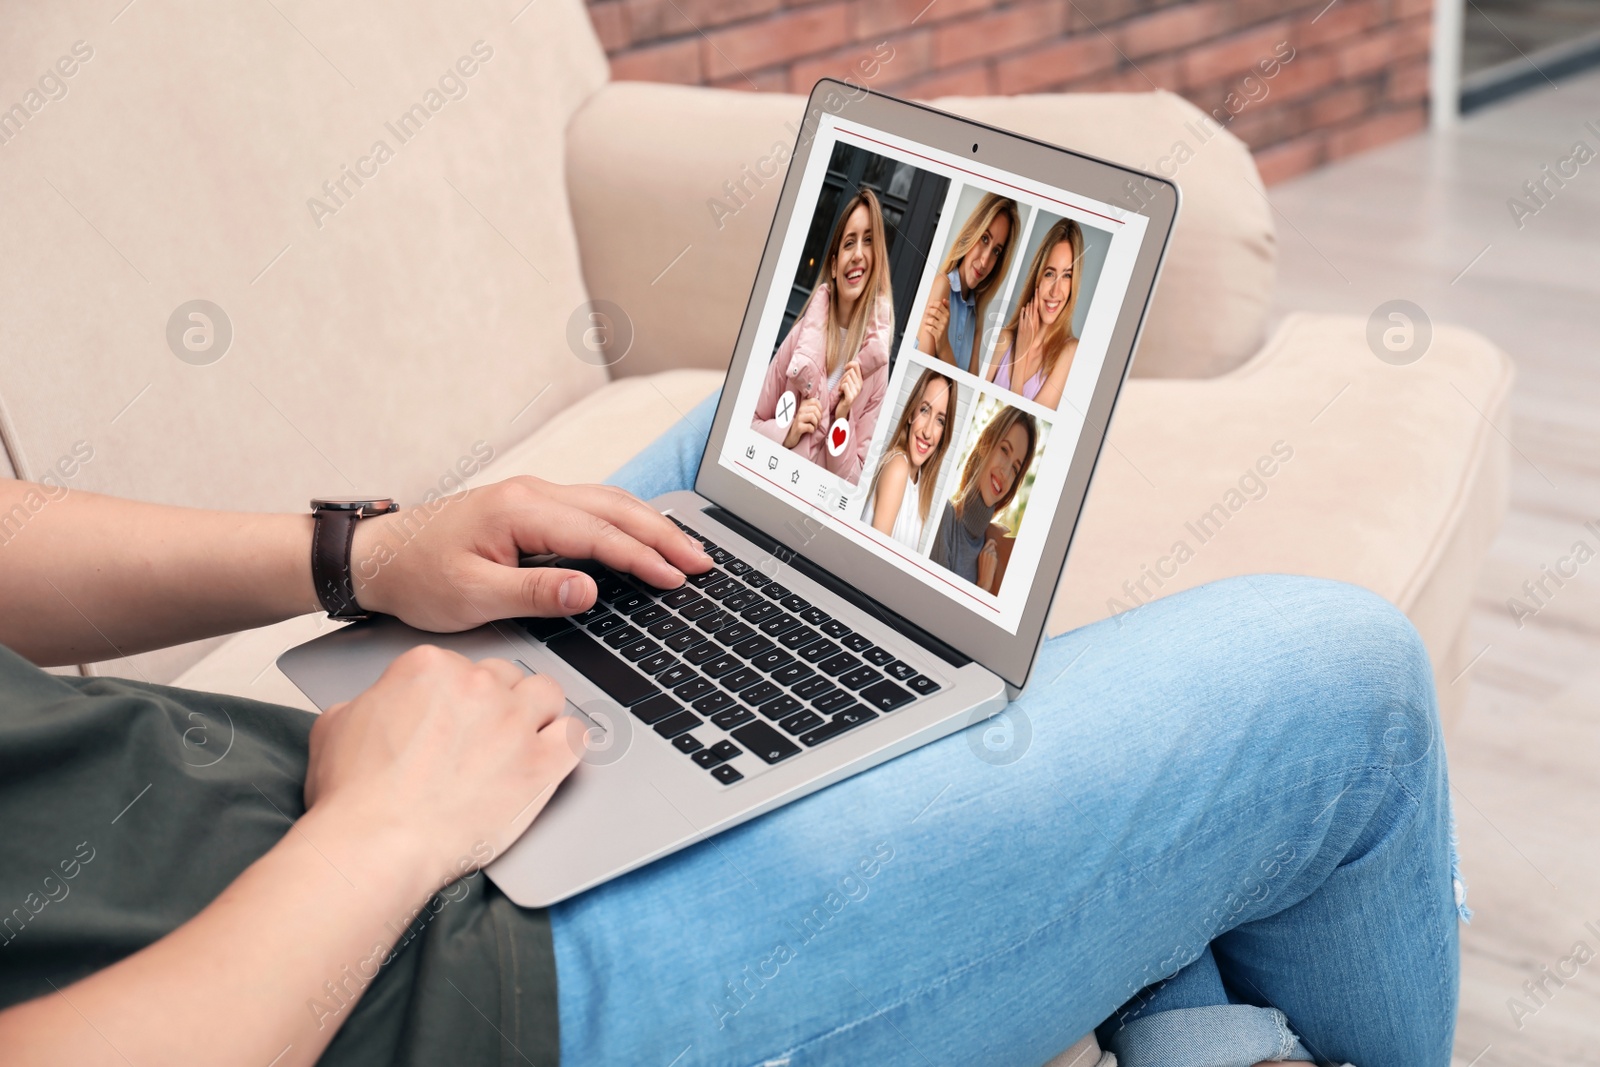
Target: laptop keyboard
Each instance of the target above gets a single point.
(773, 673)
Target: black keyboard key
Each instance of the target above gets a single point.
(793, 674)
(801, 722)
(759, 693)
(732, 635)
(799, 637)
(681, 597)
(832, 701)
(859, 677)
(721, 752)
(759, 612)
(922, 684)
(603, 667)
(721, 555)
(611, 586)
(835, 629)
(675, 675)
(697, 609)
(726, 773)
(818, 651)
(682, 722)
(732, 717)
(764, 742)
(682, 642)
(737, 566)
(755, 579)
(705, 578)
(772, 659)
(545, 629)
(814, 687)
(637, 650)
(713, 621)
(780, 623)
(795, 602)
(623, 635)
(815, 616)
(752, 646)
(694, 689)
(878, 657)
(775, 591)
(606, 623)
(706, 650)
(712, 703)
(838, 664)
(845, 720)
(726, 587)
(741, 600)
(667, 627)
(687, 743)
(899, 669)
(657, 663)
(778, 707)
(743, 678)
(855, 642)
(647, 615)
(585, 617)
(655, 709)
(631, 601)
(886, 696)
(720, 665)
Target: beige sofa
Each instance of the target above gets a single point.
(386, 325)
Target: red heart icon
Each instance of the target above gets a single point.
(838, 437)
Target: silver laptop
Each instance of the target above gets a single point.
(883, 578)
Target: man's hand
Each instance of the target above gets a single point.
(452, 564)
(445, 755)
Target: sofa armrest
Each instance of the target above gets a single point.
(672, 190)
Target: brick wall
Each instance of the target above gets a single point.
(1301, 83)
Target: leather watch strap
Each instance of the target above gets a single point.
(331, 536)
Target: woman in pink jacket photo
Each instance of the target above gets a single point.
(825, 385)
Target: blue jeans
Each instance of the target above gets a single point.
(1242, 786)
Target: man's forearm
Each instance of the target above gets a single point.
(85, 577)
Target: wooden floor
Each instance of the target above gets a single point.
(1427, 220)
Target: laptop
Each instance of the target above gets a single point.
(942, 320)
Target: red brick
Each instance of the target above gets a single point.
(876, 18)
(1340, 105)
(676, 61)
(854, 62)
(1407, 8)
(753, 45)
(1344, 18)
(1054, 64)
(610, 24)
(1170, 29)
(655, 20)
(911, 58)
(971, 80)
(1410, 82)
(997, 31)
(1283, 161)
(1365, 54)
(1380, 129)
(1092, 14)
(1235, 55)
(1260, 124)
(1307, 73)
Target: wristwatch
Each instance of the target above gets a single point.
(332, 532)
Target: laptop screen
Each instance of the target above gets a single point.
(934, 334)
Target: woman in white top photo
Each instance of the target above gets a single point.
(911, 461)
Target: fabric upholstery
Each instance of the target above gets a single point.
(653, 245)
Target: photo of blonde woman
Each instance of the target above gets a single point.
(903, 487)
(972, 273)
(1038, 343)
(822, 392)
(968, 542)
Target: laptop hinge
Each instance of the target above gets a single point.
(786, 555)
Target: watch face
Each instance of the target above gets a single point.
(377, 504)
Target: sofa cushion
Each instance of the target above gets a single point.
(378, 329)
(656, 243)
